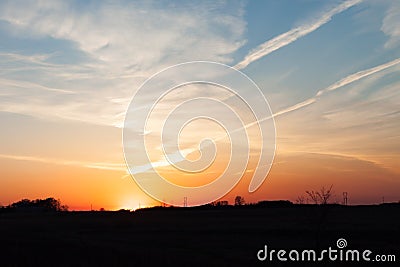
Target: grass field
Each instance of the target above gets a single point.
(225, 236)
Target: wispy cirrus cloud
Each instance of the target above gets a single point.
(391, 24)
(292, 35)
(92, 165)
(110, 49)
(133, 36)
(38, 59)
(30, 85)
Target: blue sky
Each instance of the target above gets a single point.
(84, 43)
(68, 70)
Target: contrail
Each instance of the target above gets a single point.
(358, 75)
(292, 35)
(343, 82)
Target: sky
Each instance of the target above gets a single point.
(69, 70)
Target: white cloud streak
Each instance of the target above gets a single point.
(165, 161)
(35, 59)
(343, 82)
(292, 35)
(30, 85)
(92, 165)
(357, 76)
(391, 25)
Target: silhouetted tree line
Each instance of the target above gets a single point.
(321, 197)
(48, 204)
(239, 203)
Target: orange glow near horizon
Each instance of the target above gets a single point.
(85, 188)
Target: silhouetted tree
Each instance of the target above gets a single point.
(64, 208)
(48, 204)
(23, 203)
(301, 200)
(239, 201)
(322, 196)
(221, 203)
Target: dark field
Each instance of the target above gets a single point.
(229, 236)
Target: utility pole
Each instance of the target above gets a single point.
(345, 198)
(185, 202)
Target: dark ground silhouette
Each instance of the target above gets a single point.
(203, 236)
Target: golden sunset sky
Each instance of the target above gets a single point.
(69, 70)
